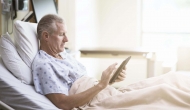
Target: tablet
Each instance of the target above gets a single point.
(119, 69)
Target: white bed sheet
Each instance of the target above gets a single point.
(20, 96)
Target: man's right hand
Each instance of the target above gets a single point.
(106, 76)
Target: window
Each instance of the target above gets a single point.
(165, 25)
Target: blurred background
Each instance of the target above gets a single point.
(156, 33)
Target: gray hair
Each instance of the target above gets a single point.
(48, 23)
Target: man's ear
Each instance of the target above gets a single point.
(45, 35)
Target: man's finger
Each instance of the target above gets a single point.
(122, 74)
(111, 67)
(119, 78)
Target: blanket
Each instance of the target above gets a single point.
(170, 91)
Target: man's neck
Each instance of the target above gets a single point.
(50, 52)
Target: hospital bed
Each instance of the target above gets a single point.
(17, 90)
(17, 95)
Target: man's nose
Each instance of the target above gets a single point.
(65, 39)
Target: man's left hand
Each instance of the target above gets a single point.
(122, 75)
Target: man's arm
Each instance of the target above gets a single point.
(68, 102)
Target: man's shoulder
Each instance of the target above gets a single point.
(40, 59)
(37, 57)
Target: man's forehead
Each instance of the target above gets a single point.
(62, 26)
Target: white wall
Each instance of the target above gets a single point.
(86, 23)
(81, 18)
(101, 23)
(118, 23)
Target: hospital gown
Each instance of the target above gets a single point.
(52, 75)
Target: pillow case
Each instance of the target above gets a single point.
(12, 60)
(26, 40)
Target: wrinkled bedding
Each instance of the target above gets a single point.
(20, 96)
(170, 91)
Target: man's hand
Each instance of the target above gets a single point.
(106, 75)
(121, 76)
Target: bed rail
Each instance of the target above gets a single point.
(4, 106)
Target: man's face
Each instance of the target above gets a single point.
(58, 38)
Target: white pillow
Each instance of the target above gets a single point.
(26, 40)
(13, 62)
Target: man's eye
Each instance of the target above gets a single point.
(62, 35)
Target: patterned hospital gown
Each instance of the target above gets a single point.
(52, 75)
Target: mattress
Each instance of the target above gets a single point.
(20, 96)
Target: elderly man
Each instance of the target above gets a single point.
(55, 71)
(64, 81)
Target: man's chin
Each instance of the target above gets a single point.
(62, 49)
